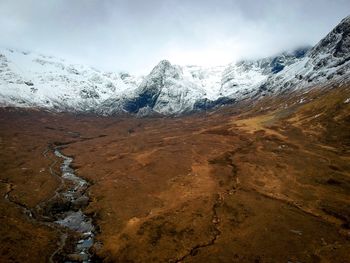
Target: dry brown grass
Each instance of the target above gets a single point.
(255, 186)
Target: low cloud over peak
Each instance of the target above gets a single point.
(135, 35)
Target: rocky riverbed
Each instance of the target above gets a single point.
(74, 199)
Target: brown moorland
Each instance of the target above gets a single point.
(267, 181)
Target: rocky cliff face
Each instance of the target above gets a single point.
(34, 80)
(327, 61)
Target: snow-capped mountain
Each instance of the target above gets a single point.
(33, 80)
(328, 60)
(246, 76)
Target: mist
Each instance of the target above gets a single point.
(135, 35)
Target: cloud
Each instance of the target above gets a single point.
(135, 35)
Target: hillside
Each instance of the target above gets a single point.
(34, 80)
(255, 182)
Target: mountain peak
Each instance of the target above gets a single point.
(345, 20)
(165, 69)
(164, 63)
(337, 42)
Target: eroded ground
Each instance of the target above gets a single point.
(270, 183)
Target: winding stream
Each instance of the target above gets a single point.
(63, 209)
(73, 218)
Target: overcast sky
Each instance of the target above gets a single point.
(134, 35)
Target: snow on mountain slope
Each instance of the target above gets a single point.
(172, 89)
(30, 79)
(328, 60)
(245, 77)
(33, 80)
(209, 79)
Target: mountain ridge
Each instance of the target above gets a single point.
(31, 80)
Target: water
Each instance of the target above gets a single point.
(75, 219)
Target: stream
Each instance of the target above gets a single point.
(73, 218)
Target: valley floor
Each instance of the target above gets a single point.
(267, 184)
